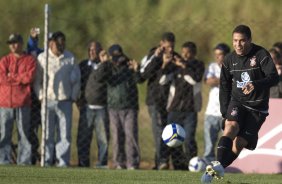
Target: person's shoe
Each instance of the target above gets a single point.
(206, 178)
(131, 168)
(163, 166)
(119, 167)
(215, 170)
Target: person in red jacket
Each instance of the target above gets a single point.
(17, 70)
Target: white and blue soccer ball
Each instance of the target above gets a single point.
(196, 164)
(173, 135)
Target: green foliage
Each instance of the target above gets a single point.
(137, 25)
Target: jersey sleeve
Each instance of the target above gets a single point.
(225, 87)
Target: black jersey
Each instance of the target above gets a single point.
(256, 67)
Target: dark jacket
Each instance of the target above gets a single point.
(276, 91)
(85, 70)
(256, 67)
(122, 88)
(156, 94)
(96, 86)
(182, 83)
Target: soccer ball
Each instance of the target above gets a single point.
(173, 135)
(196, 164)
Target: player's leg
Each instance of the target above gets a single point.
(235, 116)
(248, 136)
(225, 155)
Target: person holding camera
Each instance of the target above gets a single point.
(123, 109)
(157, 95)
(184, 84)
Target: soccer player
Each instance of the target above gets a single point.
(246, 77)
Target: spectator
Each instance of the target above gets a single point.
(157, 95)
(123, 109)
(96, 110)
(63, 89)
(184, 83)
(84, 135)
(213, 118)
(17, 71)
(35, 121)
(276, 91)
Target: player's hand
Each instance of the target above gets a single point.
(248, 88)
(103, 56)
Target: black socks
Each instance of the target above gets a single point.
(225, 155)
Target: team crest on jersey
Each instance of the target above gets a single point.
(245, 79)
(234, 111)
(253, 61)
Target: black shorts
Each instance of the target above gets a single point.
(249, 121)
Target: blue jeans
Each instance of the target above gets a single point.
(93, 119)
(22, 116)
(212, 127)
(188, 120)
(159, 120)
(59, 122)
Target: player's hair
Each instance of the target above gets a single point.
(168, 36)
(243, 29)
(190, 45)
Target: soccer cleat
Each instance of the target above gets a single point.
(206, 178)
(215, 170)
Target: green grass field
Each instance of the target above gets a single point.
(37, 175)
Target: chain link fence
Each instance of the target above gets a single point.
(136, 35)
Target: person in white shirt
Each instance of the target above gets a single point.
(213, 118)
(63, 88)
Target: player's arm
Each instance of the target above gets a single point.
(271, 76)
(225, 88)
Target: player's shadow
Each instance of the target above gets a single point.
(233, 170)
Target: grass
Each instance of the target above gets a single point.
(36, 175)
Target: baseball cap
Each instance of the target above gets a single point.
(15, 38)
(56, 35)
(223, 47)
(115, 49)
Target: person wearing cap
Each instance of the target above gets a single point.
(17, 71)
(96, 108)
(123, 109)
(213, 119)
(85, 128)
(184, 100)
(63, 88)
